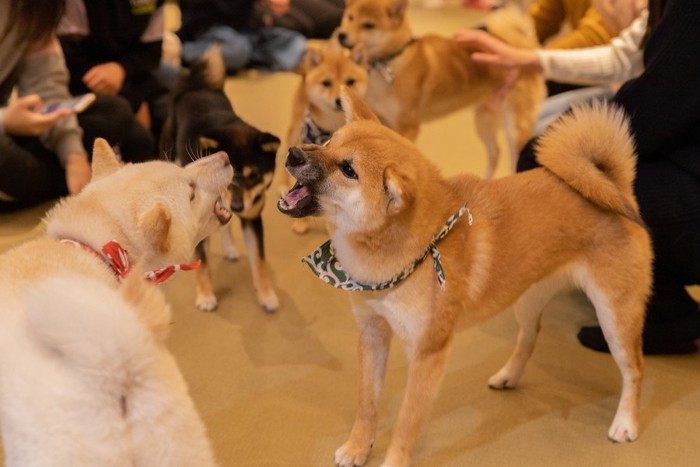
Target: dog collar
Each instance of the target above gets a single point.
(312, 133)
(382, 64)
(115, 256)
(326, 266)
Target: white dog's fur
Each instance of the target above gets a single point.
(85, 378)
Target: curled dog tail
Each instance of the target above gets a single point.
(513, 25)
(592, 150)
(95, 329)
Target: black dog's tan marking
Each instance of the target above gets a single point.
(202, 121)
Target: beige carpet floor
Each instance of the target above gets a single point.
(279, 389)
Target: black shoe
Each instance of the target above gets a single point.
(592, 337)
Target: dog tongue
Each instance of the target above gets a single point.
(292, 198)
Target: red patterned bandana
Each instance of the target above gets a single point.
(116, 257)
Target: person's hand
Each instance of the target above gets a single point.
(78, 172)
(105, 78)
(493, 51)
(23, 116)
(276, 7)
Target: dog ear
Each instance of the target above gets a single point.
(355, 108)
(397, 9)
(104, 160)
(398, 189)
(312, 58)
(154, 225)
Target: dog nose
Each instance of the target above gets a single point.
(338, 103)
(295, 157)
(342, 38)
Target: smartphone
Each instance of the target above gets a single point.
(76, 104)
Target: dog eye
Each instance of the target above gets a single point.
(327, 83)
(368, 26)
(192, 187)
(351, 18)
(350, 82)
(347, 170)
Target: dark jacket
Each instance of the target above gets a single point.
(199, 15)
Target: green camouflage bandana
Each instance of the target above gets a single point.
(327, 267)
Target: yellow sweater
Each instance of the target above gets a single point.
(585, 25)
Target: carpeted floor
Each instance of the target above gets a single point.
(279, 389)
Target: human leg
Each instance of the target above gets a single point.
(29, 173)
(315, 19)
(111, 118)
(277, 49)
(236, 48)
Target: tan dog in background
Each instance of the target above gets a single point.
(415, 79)
(316, 109)
(573, 222)
(85, 377)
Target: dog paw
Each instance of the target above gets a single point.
(622, 431)
(502, 380)
(231, 253)
(207, 303)
(351, 454)
(269, 301)
(300, 226)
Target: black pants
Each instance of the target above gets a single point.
(31, 174)
(315, 19)
(669, 202)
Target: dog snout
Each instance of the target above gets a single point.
(343, 39)
(223, 156)
(295, 157)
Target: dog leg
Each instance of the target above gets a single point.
(487, 122)
(510, 130)
(205, 300)
(528, 311)
(300, 225)
(624, 338)
(425, 374)
(253, 235)
(228, 247)
(373, 350)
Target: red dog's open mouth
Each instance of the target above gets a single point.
(298, 202)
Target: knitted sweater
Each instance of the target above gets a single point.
(616, 62)
(585, 24)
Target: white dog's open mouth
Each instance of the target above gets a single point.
(221, 212)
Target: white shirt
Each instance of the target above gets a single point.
(618, 61)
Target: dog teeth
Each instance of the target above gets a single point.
(222, 213)
(293, 196)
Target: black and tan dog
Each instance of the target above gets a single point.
(202, 120)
